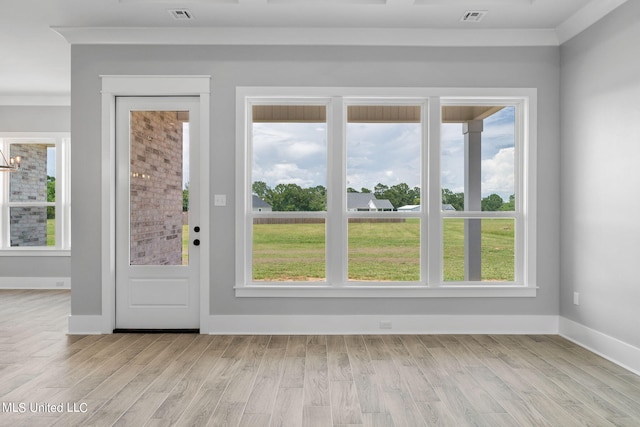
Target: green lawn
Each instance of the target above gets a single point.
(185, 245)
(377, 251)
(498, 259)
(51, 232)
(285, 252)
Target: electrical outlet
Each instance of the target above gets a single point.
(576, 298)
(385, 324)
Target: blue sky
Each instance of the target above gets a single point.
(381, 153)
(51, 161)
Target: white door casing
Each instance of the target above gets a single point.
(103, 322)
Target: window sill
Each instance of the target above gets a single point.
(401, 291)
(23, 252)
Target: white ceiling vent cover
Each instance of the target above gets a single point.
(181, 14)
(473, 16)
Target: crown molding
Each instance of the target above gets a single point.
(291, 36)
(308, 36)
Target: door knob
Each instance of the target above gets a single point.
(196, 229)
(196, 242)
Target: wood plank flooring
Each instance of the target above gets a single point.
(382, 380)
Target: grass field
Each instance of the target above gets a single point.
(51, 232)
(377, 251)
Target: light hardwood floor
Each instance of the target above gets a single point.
(382, 380)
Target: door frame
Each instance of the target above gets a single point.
(141, 86)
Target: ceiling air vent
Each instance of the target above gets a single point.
(181, 14)
(473, 16)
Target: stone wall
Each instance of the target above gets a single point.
(29, 224)
(156, 188)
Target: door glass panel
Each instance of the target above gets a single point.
(159, 188)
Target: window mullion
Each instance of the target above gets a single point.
(336, 187)
(432, 230)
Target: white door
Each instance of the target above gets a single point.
(157, 229)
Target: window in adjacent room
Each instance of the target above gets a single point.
(35, 199)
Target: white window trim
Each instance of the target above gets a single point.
(63, 192)
(431, 284)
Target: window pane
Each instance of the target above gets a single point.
(288, 249)
(495, 253)
(158, 180)
(384, 249)
(383, 157)
(492, 166)
(32, 226)
(289, 158)
(35, 181)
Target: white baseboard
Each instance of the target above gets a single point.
(88, 325)
(348, 324)
(35, 283)
(379, 324)
(618, 352)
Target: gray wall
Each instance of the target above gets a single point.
(307, 66)
(600, 175)
(35, 119)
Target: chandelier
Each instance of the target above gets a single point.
(10, 166)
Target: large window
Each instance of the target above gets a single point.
(385, 192)
(34, 200)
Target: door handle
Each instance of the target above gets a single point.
(196, 229)
(196, 242)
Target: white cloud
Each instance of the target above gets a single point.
(379, 153)
(289, 153)
(383, 153)
(498, 174)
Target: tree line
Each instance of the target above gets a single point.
(292, 197)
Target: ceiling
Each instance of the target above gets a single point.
(35, 35)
